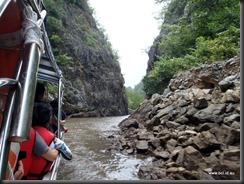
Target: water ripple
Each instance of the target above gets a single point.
(86, 137)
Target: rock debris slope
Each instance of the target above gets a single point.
(192, 131)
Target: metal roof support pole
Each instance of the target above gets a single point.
(55, 168)
(60, 89)
(4, 133)
(14, 94)
(57, 161)
(28, 77)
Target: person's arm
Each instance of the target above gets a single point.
(20, 171)
(42, 149)
(54, 121)
(50, 154)
(63, 128)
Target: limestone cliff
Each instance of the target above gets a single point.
(94, 85)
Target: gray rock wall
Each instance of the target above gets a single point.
(94, 85)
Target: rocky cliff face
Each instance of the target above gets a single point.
(94, 85)
(192, 131)
(171, 19)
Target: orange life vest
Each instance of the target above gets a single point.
(25, 154)
(39, 165)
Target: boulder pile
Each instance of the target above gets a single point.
(192, 130)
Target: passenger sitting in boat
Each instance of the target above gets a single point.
(35, 146)
(54, 127)
(38, 165)
(40, 91)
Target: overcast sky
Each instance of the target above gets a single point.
(131, 28)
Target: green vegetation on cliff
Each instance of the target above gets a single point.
(94, 85)
(193, 32)
(135, 96)
(58, 38)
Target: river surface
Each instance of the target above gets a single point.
(87, 138)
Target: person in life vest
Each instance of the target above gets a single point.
(34, 146)
(54, 122)
(40, 165)
(39, 97)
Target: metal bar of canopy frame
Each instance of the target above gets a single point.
(28, 76)
(25, 81)
(6, 123)
(53, 174)
(60, 90)
(22, 124)
(5, 127)
(3, 5)
(18, 130)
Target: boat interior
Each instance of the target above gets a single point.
(25, 57)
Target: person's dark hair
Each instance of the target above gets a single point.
(42, 113)
(40, 89)
(54, 104)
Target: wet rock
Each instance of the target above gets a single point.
(173, 125)
(155, 142)
(205, 127)
(175, 169)
(182, 120)
(161, 154)
(155, 121)
(165, 111)
(231, 96)
(174, 153)
(128, 151)
(233, 154)
(142, 145)
(226, 135)
(200, 103)
(210, 114)
(144, 135)
(230, 119)
(235, 125)
(191, 111)
(189, 158)
(165, 138)
(128, 123)
(206, 141)
(227, 83)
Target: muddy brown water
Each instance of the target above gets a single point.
(87, 138)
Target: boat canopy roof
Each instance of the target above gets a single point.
(48, 69)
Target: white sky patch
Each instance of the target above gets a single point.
(131, 28)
